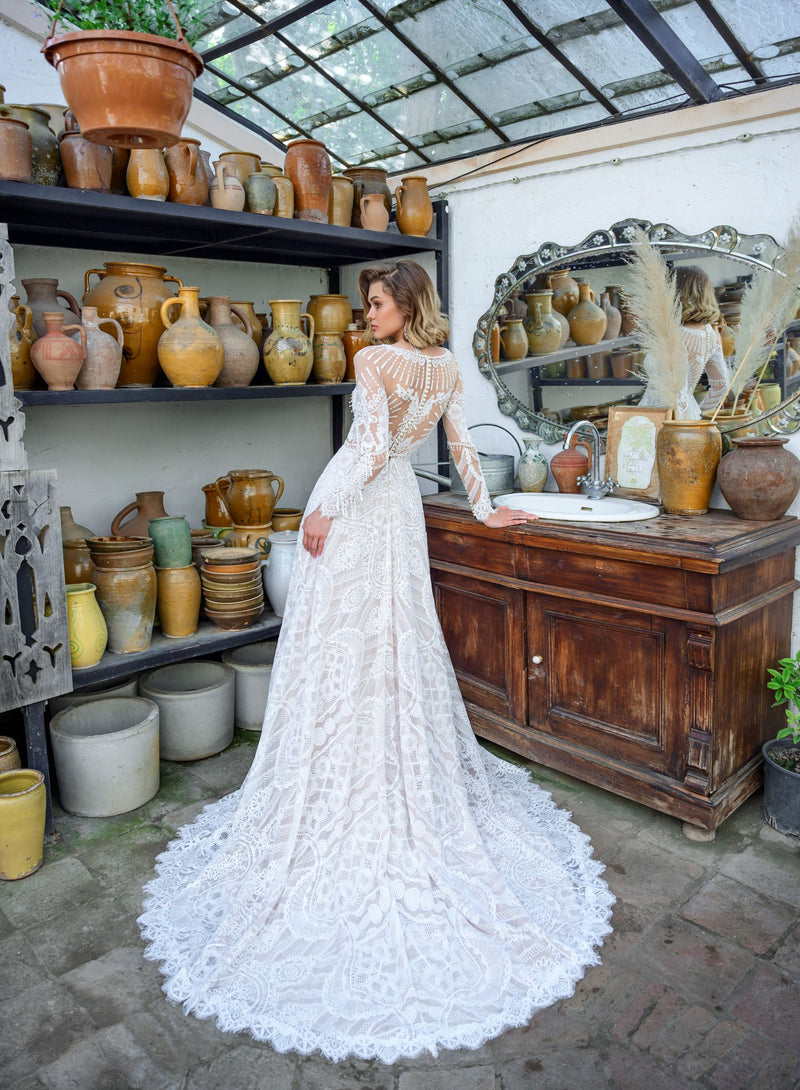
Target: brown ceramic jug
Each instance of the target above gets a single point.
(217, 513)
(146, 176)
(414, 208)
(20, 339)
(542, 328)
(587, 321)
(568, 465)
(240, 354)
(331, 313)
(367, 180)
(308, 166)
(56, 357)
(248, 495)
(103, 360)
(86, 166)
(188, 182)
(513, 339)
(190, 351)
(226, 191)
(43, 294)
(78, 563)
(353, 339)
(374, 216)
(565, 291)
(148, 505)
(330, 362)
(15, 150)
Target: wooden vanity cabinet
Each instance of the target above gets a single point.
(630, 655)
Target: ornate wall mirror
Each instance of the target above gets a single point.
(536, 403)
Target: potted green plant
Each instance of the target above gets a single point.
(125, 77)
(782, 753)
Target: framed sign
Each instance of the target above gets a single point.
(631, 450)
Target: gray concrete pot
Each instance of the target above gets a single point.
(252, 665)
(196, 702)
(106, 755)
(128, 686)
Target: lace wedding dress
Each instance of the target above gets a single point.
(704, 351)
(380, 885)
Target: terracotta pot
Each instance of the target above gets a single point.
(513, 339)
(9, 755)
(132, 293)
(188, 181)
(20, 339)
(613, 317)
(226, 191)
(330, 362)
(148, 505)
(242, 164)
(16, 150)
(353, 339)
(88, 631)
(308, 166)
(250, 495)
(284, 196)
(126, 89)
(340, 210)
(260, 193)
(56, 357)
(543, 330)
(414, 208)
(23, 811)
(687, 455)
(87, 166)
(565, 291)
(78, 563)
(178, 601)
(374, 216)
(331, 313)
(43, 294)
(127, 598)
(759, 478)
(240, 354)
(598, 365)
(189, 351)
(568, 465)
(70, 528)
(288, 352)
(367, 180)
(147, 176)
(622, 363)
(587, 321)
(217, 513)
(103, 360)
(256, 325)
(45, 157)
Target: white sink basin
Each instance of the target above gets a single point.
(560, 507)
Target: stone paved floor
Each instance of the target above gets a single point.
(699, 985)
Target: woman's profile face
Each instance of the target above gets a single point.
(384, 316)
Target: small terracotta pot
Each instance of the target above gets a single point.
(15, 150)
(567, 465)
(188, 182)
(759, 478)
(86, 166)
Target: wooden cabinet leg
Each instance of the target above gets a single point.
(36, 744)
(697, 833)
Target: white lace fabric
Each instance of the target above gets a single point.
(704, 349)
(380, 886)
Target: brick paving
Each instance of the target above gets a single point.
(699, 985)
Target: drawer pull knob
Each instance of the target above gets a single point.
(536, 660)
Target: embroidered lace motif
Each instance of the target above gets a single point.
(704, 349)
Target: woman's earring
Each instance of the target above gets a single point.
(405, 331)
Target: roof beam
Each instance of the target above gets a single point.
(265, 29)
(719, 24)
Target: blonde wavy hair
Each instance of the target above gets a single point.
(696, 295)
(413, 292)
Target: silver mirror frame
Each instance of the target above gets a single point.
(759, 251)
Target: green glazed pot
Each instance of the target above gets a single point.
(172, 541)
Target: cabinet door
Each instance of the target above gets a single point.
(483, 625)
(608, 680)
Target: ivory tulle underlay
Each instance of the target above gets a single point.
(380, 885)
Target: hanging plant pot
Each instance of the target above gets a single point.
(127, 90)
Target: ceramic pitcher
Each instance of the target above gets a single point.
(56, 357)
(147, 505)
(249, 495)
(101, 366)
(240, 355)
(190, 351)
(288, 352)
(188, 183)
(226, 191)
(374, 216)
(147, 176)
(542, 327)
(414, 208)
(43, 294)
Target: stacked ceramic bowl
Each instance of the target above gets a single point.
(232, 589)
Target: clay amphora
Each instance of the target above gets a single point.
(587, 321)
(16, 150)
(190, 351)
(759, 479)
(331, 313)
(88, 631)
(288, 352)
(226, 191)
(56, 357)
(687, 456)
(217, 513)
(513, 339)
(565, 291)
(249, 495)
(103, 360)
(132, 293)
(330, 362)
(78, 563)
(188, 181)
(20, 339)
(240, 355)
(374, 216)
(45, 157)
(568, 465)
(414, 208)
(284, 196)
(367, 180)
(43, 294)
(178, 600)
(172, 541)
(543, 329)
(308, 166)
(256, 326)
(340, 211)
(260, 192)
(70, 528)
(353, 339)
(127, 598)
(147, 176)
(87, 166)
(241, 164)
(532, 467)
(613, 317)
(148, 505)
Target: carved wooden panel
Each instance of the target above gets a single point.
(12, 419)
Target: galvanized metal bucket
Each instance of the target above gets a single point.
(498, 469)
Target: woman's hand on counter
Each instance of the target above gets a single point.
(508, 516)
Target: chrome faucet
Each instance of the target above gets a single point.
(596, 487)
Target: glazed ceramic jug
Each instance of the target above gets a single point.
(256, 326)
(542, 328)
(216, 513)
(226, 191)
(558, 315)
(340, 210)
(148, 505)
(565, 291)
(240, 355)
(86, 166)
(20, 339)
(367, 180)
(16, 150)
(587, 321)
(260, 193)
(101, 366)
(513, 339)
(414, 208)
(78, 563)
(190, 351)
(374, 216)
(45, 157)
(249, 495)
(568, 465)
(288, 352)
(687, 456)
(43, 294)
(330, 361)
(88, 632)
(613, 317)
(331, 313)
(532, 468)
(241, 164)
(56, 357)
(132, 293)
(147, 176)
(284, 196)
(278, 568)
(188, 183)
(308, 166)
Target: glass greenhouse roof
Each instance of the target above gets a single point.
(410, 83)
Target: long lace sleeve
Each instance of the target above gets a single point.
(718, 375)
(465, 456)
(368, 439)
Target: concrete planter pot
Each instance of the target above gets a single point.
(196, 703)
(253, 668)
(106, 755)
(128, 686)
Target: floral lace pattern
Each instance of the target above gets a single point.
(380, 886)
(704, 349)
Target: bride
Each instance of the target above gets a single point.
(380, 885)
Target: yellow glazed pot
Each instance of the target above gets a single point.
(23, 803)
(88, 632)
(288, 352)
(190, 351)
(687, 454)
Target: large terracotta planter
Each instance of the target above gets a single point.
(288, 352)
(687, 455)
(189, 351)
(127, 598)
(56, 357)
(23, 805)
(308, 166)
(759, 478)
(126, 89)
